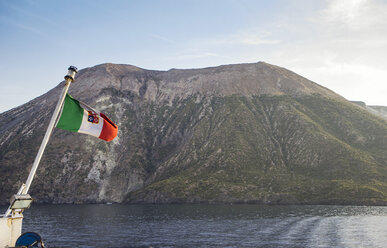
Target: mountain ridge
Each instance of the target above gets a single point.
(120, 70)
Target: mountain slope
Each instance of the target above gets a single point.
(380, 111)
(233, 133)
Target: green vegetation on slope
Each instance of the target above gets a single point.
(276, 149)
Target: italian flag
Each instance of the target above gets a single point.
(78, 117)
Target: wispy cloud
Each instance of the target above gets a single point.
(190, 55)
(25, 12)
(241, 38)
(162, 38)
(256, 40)
(209, 48)
(195, 56)
(13, 23)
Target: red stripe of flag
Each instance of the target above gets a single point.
(109, 129)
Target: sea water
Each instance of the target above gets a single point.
(208, 225)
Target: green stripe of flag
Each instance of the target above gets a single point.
(72, 115)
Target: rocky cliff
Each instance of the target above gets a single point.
(233, 133)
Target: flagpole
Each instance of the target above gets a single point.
(69, 79)
(72, 70)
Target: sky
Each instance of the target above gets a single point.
(340, 44)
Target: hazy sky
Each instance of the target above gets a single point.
(341, 44)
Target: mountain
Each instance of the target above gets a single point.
(253, 133)
(380, 111)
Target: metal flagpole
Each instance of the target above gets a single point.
(69, 79)
(72, 70)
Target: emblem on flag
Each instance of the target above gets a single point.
(92, 117)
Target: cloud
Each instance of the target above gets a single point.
(219, 48)
(162, 38)
(25, 12)
(255, 40)
(355, 14)
(345, 11)
(192, 55)
(240, 38)
(13, 23)
(363, 19)
(223, 49)
(342, 45)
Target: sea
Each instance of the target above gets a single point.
(204, 225)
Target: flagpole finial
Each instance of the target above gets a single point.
(71, 73)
